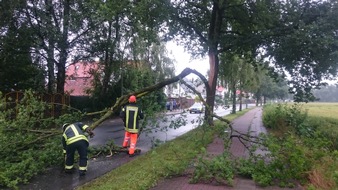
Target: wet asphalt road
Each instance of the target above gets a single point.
(56, 179)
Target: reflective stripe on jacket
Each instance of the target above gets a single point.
(74, 133)
(130, 115)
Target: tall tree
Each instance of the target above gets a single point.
(304, 43)
(286, 30)
(247, 82)
(230, 72)
(59, 27)
(125, 40)
(327, 94)
(270, 87)
(110, 41)
(209, 28)
(16, 39)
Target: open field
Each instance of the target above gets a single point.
(322, 109)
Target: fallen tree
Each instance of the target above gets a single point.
(143, 92)
(124, 99)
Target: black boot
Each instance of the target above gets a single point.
(82, 172)
(69, 171)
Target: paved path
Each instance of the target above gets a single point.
(251, 121)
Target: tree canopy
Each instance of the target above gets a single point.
(285, 32)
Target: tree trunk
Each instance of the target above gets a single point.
(233, 99)
(61, 74)
(50, 67)
(107, 61)
(211, 89)
(240, 96)
(258, 97)
(50, 47)
(214, 32)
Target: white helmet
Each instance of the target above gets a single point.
(64, 126)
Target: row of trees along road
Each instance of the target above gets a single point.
(327, 93)
(295, 36)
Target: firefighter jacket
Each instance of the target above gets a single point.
(73, 133)
(131, 114)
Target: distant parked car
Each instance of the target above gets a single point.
(196, 108)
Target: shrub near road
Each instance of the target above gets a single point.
(30, 142)
(305, 134)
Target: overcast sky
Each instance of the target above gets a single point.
(183, 60)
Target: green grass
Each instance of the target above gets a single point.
(328, 110)
(169, 159)
(319, 133)
(325, 116)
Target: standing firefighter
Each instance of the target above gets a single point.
(73, 139)
(130, 114)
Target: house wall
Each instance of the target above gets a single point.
(79, 77)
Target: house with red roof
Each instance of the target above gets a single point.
(220, 90)
(79, 78)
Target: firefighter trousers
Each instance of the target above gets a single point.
(81, 147)
(132, 137)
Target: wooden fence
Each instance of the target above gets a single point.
(57, 101)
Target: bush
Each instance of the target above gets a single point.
(283, 115)
(30, 142)
(298, 146)
(220, 168)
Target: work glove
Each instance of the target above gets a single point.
(90, 132)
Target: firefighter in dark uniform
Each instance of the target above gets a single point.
(130, 114)
(74, 139)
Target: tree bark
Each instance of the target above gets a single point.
(109, 49)
(233, 99)
(50, 67)
(240, 95)
(50, 47)
(61, 74)
(214, 32)
(212, 81)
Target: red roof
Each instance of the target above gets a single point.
(220, 89)
(78, 78)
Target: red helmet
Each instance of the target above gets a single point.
(132, 98)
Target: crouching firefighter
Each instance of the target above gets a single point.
(131, 114)
(74, 139)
